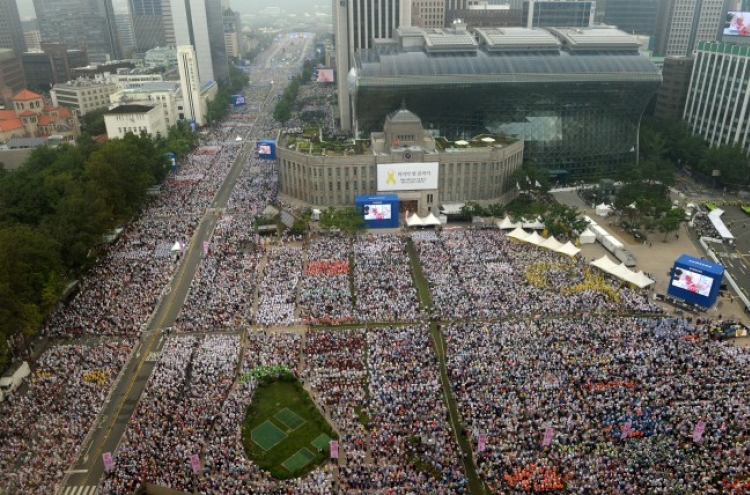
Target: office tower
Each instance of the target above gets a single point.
(672, 94)
(11, 74)
(200, 23)
(125, 34)
(485, 14)
(719, 95)
(148, 24)
(428, 13)
(11, 32)
(356, 23)
(556, 13)
(52, 65)
(233, 33)
(632, 16)
(166, 9)
(682, 24)
(190, 80)
(89, 23)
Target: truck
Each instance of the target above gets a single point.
(617, 248)
(9, 383)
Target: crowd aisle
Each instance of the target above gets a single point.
(182, 400)
(383, 283)
(325, 290)
(382, 390)
(484, 274)
(603, 405)
(42, 430)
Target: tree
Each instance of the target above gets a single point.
(671, 221)
(347, 219)
(92, 122)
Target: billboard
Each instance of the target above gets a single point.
(407, 176)
(325, 75)
(237, 100)
(379, 211)
(695, 280)
(267, 149)
(737, 23)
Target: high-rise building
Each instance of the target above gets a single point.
(148, 24)
(672, 94)
(632, 16)
(718, 100)
(11, 74)
(682, 24)
(190, 80)
(233, 33)
(125, 34)
(80, 23)
(200, 23)
(53, 64)
(33, 39)
(11, 32)
(428, 13)
(557, 13)
(356, 24)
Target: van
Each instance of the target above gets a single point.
(9, 383)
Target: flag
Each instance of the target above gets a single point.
(195, 463)
(698, 432)
(334, 449)
(626, 430)
(205, 248)
(482, 445)
(548, 434)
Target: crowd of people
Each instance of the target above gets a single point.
(42, 429)
(484, 274)
(603, 405)
(325, 293)
(383, 281)
(277, 298)
(176, 413)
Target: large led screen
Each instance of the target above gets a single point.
(692, 281)
(377, 212)
(737, 24)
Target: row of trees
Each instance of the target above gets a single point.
(283, 110)
(58, 206)
(218, 108)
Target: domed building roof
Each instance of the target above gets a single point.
(403, 116)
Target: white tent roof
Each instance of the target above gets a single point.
(719, 224)
(534, 238)
(622, 272)
(506, 224)
(587, 234)
(414, 221)
(641, 280)
(569, 249)
(535, 224)
(178, 246)
(551, 243)
(518, 233)
(430, 220)
(604, 263)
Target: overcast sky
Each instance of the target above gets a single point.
(26, 7)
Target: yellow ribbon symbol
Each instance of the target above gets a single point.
(391, 179)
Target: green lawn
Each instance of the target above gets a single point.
(285, 400)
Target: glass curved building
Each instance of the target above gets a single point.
(574, 96)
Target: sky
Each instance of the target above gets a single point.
(26, 7)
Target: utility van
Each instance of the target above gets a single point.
(9, 383)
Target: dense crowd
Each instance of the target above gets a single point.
(325, 293)
(485, 274)
(382, 390)
(615, 405)
(277, 295)
(176, 413)
(383, 282)
(42, 429)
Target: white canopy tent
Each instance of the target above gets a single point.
(506, 224)
(568, 249)
(716, 221)
(534, 238)
(622, 272)
(603, 210)
(551, 243)
(414, 221)
(518, 233)
(430, 220)
(535, 224)
(178, 246)
(587, 237)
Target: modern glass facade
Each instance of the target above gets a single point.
(577, 110)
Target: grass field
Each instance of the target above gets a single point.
(279, 408)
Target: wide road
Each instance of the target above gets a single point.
(124, 398)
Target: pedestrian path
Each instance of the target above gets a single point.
(81, 490)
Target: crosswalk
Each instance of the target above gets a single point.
(81, 490)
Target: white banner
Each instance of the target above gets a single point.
(407, 176)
